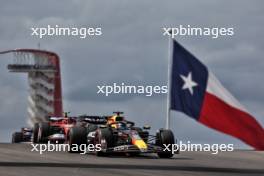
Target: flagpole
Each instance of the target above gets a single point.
(169, 82)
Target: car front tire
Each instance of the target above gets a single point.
(165, 137)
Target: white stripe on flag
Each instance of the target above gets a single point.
(215, 87)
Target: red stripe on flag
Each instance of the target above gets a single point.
(219, 115)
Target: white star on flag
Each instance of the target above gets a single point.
(188, 82)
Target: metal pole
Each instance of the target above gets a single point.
(169, 83)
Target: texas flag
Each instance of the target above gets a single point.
(195, 91)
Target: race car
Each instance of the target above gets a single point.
(117, 135)
(88, 124)
(24, 135)
(56, 129)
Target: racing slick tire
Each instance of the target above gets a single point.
(107, 135)
(77, 136)
(35, 133)
(43, 133)
(17, 137)
(165, 137)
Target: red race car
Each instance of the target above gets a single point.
(56, 129)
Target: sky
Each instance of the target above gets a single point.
(133, 50)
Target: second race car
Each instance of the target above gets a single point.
(55, 129)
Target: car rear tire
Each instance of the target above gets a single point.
(17, 137)
(165, 137)
(44, 131)
(77, 136)
(35, 133)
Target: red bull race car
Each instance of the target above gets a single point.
(117, 135)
